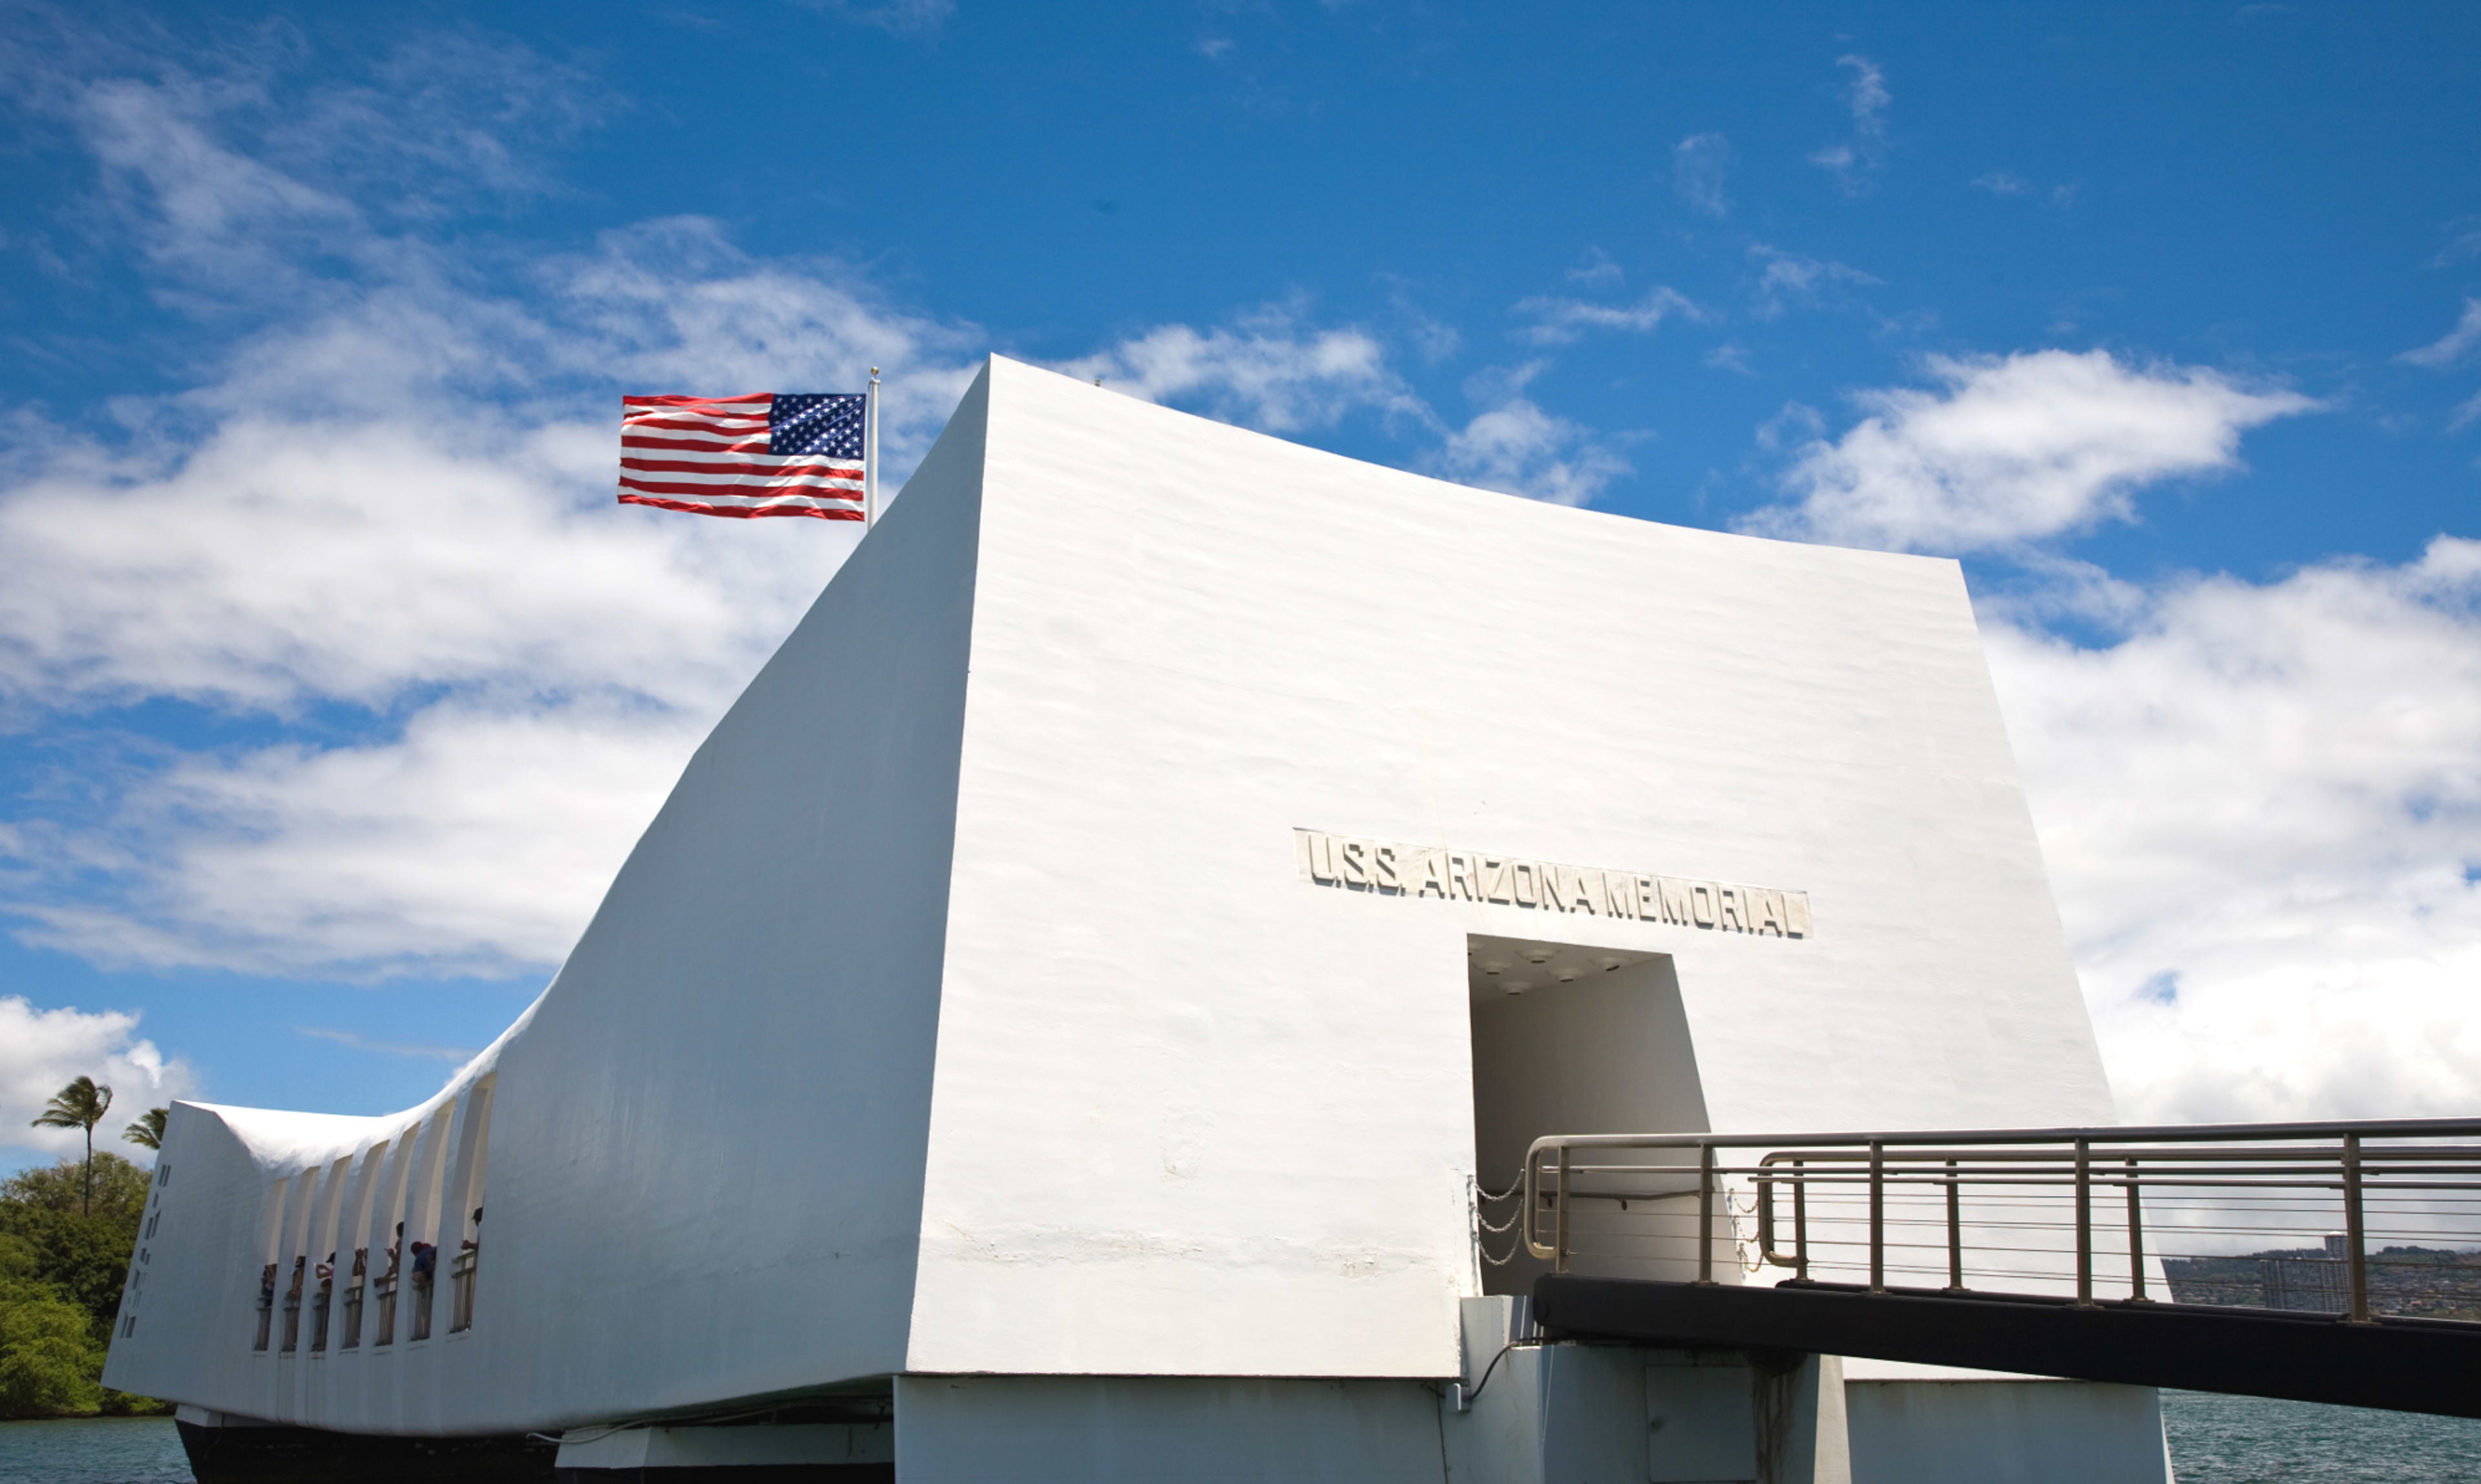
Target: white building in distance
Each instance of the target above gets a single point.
(1058, 1024)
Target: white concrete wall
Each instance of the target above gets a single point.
(1193, 1115)
(705, 1143)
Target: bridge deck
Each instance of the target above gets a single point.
(2405, 1364)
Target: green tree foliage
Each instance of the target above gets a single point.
(50, 1363)
(147, 1133)
(61, 1275)
(119, 1197)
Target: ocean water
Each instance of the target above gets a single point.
(100, 1451)
(2248, 1440)
(2214, 1439)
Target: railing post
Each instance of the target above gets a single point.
(2354, 1235)
(1954, 1232)
(1705, 1213)
(1877, 1217)
(2084, 1223)
(2135, 1240)
(1559, 1219)
(1799, 1222)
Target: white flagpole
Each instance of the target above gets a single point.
(870, 455)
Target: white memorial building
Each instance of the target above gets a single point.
(1059, 1025)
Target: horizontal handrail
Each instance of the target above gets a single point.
(2420, 1176)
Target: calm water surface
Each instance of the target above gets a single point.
(116, 1450)
(2214, 1439)
(2244, 1440)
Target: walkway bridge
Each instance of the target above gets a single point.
(2333, 1263)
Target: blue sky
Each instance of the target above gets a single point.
(333, 686)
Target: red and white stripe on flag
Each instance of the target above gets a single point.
(714, 455)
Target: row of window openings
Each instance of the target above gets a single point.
(138, 1270)
(384, 1290)
(384, 1295)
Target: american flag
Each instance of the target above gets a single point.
(766, 453)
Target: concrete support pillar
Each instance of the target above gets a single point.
(1800, 1424)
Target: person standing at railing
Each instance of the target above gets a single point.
(390, 1275)
(475, 1241)
(299, 1266)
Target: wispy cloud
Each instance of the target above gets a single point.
(363, 1043)
(2464, 414)
(897, 17)
(1732, 357)
(1856, 162)
(2463, 241)
(1271, 368)
(1700, 167)
(1596, 270)
(1560, 321)
(1786, 280)
(1515, 446)
(2453, 346)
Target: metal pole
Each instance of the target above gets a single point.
(2135, 1240)
(1705, 1214)
(1799, 1223)
(870, 454)
(1954, 1232)
(2354, 1235)
(1877, 1217)
(2084, 1222)
(1559, 1219)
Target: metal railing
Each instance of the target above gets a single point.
(2363, 1219)
(460, 1300)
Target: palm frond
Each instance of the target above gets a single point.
(149, 1130)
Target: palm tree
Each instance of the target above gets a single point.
(147, 1133)
(81, 1105)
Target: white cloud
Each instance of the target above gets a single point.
(1732, 357)
(1597, 270)
(476, 841)
(1514, 446)
(2262, 810)
(2003, 183)
(1855, 161)
(1786, 279)
(2465, 413)
(1560, 321)
(1701, 166)
(383, 525)
(44, 1051)
(2454, 344)
(2011, 450)
(897, 17)
(1269, 369)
